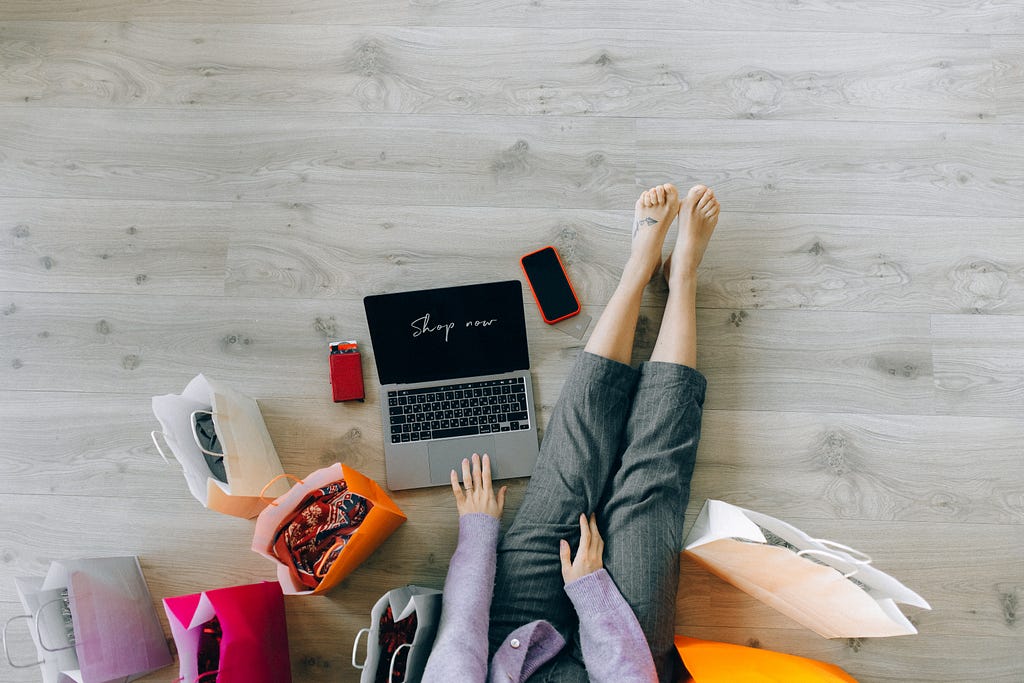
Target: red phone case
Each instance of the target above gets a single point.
(534, 292)
(347, 377)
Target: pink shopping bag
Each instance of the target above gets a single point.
(251, 629)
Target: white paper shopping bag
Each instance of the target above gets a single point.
(249, 458)
(829, 588)
(403, 625)
(92, 621)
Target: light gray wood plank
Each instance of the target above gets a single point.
(855, 362)
(979, 364)
(811, 262)
(1009, 77)
(923, 264)
(967, 573)
(924, 16)
(292, 156)
(638, 72)
(927, 264)
(871, 467)
(348, 252)
(112, 246)
(818, 167)
(805, 361)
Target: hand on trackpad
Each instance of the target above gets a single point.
(445, 456)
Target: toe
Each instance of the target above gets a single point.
(660, 192)
(671, 193)
(706, 199)
(695, 192)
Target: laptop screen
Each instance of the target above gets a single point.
(448, 333)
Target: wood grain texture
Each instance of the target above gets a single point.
(979, 364)
(858, 362)
(116, 247)
(214, 186)
(811, 262)
(864, 467)
(910, 16)
(781, 166)
(266, 156)
(636, 72)
(1009, 77)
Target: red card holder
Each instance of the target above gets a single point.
(347, 377)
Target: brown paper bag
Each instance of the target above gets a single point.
(829, 588)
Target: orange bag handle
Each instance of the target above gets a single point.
(271, 483)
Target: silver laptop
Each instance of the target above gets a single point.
(454, 370)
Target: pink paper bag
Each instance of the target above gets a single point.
(254, 641)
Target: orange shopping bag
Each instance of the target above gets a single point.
(380, 517)
(711, 662)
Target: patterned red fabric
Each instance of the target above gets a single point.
(313, 537)
(392, 635)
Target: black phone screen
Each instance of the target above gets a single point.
(550, 285)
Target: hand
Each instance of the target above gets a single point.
(588, 557)
(479, 494)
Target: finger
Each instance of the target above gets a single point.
(564, 554)
(501, 498)
(477, 483)
(460, 497)
(594, 532)
(584, 533)
(467, 478)
(486, 475)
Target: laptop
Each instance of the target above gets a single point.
(453, 365)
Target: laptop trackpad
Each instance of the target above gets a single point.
(445, 456)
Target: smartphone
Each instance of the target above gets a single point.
(550, 285)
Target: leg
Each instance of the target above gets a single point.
(581, 444)
(643, 515)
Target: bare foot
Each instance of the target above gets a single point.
(698, 216)
(654, 212)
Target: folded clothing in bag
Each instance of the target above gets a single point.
(318, 530)
(206, 433)
(350, 516)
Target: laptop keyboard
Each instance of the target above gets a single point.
(463, 409)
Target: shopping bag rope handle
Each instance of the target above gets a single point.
(863, 560)
(195, 435)
(7, 652)
(159, 450)
(355, 648)
(271, 482)
(39, 635)
(391, 669)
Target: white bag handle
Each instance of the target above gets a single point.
(39, 635)
(391, 669)
(355, 647)
(192, 420)
(7, 653)
(159, 450)
(864, 561)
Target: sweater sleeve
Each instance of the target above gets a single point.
(459, 654)
(614, 646)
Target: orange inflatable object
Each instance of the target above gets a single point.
(711, 662)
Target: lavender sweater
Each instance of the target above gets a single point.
(614, 647)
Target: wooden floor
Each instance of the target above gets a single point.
(197, 185)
